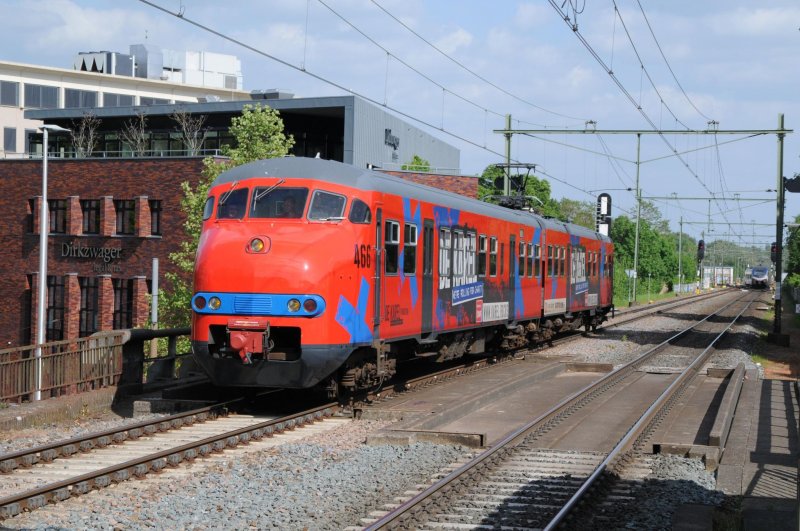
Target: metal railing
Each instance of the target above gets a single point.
(115, 358)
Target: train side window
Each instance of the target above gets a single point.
(391, 244)
(549, 260)
(409, 249)
(208, 208)
(470, 252)
(529, 260)
(481, 255)
(359, 212)
(563, 254)
(493, 257)
(521, 259)
(444, 253)
(537, 261)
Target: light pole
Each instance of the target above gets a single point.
(44, 230)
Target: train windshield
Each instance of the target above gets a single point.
(232, 204)
(278, 202)
(326, 206)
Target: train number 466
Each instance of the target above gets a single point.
(361, 255)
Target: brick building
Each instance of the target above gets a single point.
(108, 219)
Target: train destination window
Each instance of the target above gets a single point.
(359, 212)
(278, 202)
(326, 206)
(232, 204)
(409, 249)
(481, 255)
(391, 244)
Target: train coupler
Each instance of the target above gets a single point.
(248, 337)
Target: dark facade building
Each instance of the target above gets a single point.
(108, 219)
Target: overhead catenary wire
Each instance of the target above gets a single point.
(627, 93)
(472, 72)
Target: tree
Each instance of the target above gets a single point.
(84, 134)
(258, 132)
(581, 213)
(417, 164)
(793, 255)
(191, 129)
(134, 134)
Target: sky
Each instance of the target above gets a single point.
(456, 68)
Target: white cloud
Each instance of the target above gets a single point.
(756, 22)
(454, 41)
(531, 15)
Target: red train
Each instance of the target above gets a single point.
(315, 273)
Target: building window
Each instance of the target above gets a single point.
(126, 215)
(74, 98)
(88, 313)
(54, 325)
(117, 100)
(58, 216)
(391, 244)
(10, 139)
(91, 216)
(28, 134)
(123, 303)
(144, 100)
(40, 97)
(9, 93)
(409, 249)
(155, 217)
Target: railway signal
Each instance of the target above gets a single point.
(773, 252)
(701, 250)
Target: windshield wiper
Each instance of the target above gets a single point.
(227, 194)
(264, 192)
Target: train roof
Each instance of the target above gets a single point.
(364, 179)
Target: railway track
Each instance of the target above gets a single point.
(537, 475)
(32, 478)
(55, 472)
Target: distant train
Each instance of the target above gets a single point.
(316, 273)
(758, 277)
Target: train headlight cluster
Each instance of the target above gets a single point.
(200, 302)
(257, 245)
(310, 305)
(293, 305)
(214, 303)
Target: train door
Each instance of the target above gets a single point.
(512, 263)
(427, 276)
(378, 280)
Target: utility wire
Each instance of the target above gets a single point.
(318, 77)
(467, 69)
(627, 94)
(658, 45)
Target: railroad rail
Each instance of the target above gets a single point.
(532, 487)
(135, 451)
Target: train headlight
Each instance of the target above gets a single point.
(214, 303)
(200, 302)
(257, 245)
(310, 305)
(293, 305)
